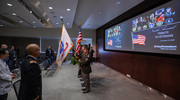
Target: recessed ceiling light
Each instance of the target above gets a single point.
(34, 26)
(61, 16)
(33, 22)
(14, 14)
(68, 9)
(118, 2)
(57, 23)
(50, 7)
(67, 23)
(20, 21)
(9, 4)
(100, 12)
(1, 25)
(30, 11)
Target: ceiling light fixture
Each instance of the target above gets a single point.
(9, 4)
(20, 21)
(118, 2)
(31, 11)
(33, 22)
(68, 9)
(50, 7)
(100, 12)
(57, 23)
(14, 14)
(61, 17)
(67, 23)
(1, 25)
(34, 26)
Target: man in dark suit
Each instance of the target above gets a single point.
(12, 57)
(31, 80)
(86, 68)
(48, 52)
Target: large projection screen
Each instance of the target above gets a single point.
(155, 31)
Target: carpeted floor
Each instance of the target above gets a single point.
(106, 84)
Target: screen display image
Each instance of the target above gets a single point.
(155, 31)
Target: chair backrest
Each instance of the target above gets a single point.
(49, 60)
(16, 86)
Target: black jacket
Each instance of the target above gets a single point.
(31, 80)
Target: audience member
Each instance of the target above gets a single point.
(12, 57)
(5, 75)
(48, 52)
(31, 79)
(6, 47)
(91, 51)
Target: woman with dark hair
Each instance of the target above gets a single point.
(5, 75)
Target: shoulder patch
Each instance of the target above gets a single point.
(32, 62)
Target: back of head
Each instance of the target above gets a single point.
(12, 47)
(2, 51)
(31, 49)
(4, 46)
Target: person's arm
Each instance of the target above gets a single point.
(86, 61)
(3, 75)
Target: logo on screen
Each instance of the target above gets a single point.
(159, 23)
(151, 25)
(169, 21)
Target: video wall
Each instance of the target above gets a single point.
(155, 31)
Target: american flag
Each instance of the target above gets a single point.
(79, 39)
(139, 39)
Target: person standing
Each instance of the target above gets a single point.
(86, 68)
(5, 47)
(12, 57)
(79, 57)
(48, 52)
(5, 75)
(91, 51)
(31, 79)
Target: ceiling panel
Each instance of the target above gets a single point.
(91, 13)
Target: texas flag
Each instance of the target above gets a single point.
(65, 46)
(139, 39)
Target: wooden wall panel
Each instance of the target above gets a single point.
(160, 72)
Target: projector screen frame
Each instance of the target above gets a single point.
(129, 17)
